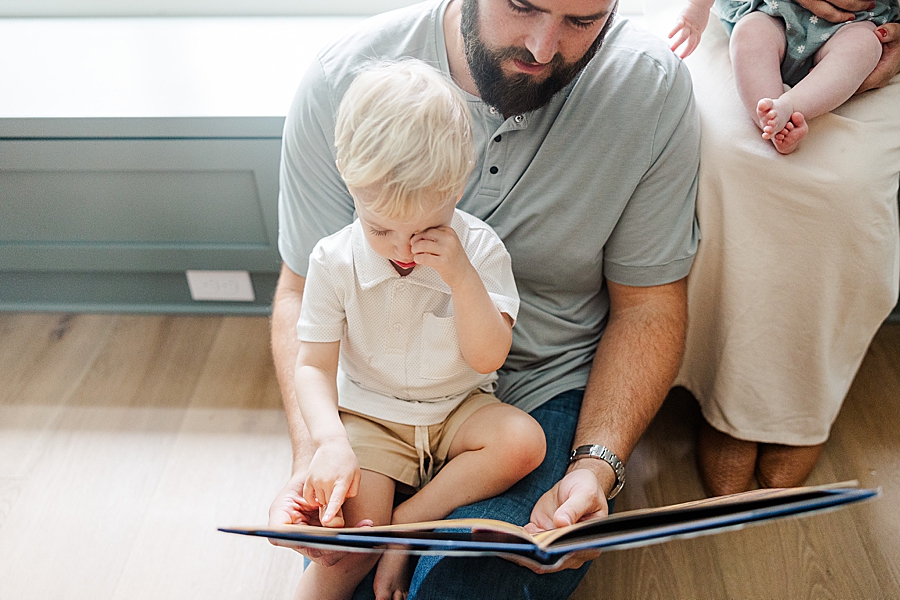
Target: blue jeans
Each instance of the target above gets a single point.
(493, 578)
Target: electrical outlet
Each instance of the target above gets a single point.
(232, 286)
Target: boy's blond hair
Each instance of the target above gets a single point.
(402, 127)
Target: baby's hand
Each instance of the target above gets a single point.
(440, 249)
(332, 477)
(688, 28)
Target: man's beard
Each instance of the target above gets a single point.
(519, 93)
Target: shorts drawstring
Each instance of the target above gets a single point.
(423, 450)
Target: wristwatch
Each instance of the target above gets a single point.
(604, 454)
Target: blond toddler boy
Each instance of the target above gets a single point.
(406, 315)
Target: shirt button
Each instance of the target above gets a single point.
(494, 170)
(498, 138)
(492, 110)
(519, 118)
(401, 285)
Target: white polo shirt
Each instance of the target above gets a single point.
(400, 358)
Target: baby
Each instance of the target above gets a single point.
(407, 313)
(777, 42)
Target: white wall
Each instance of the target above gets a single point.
(157, 8)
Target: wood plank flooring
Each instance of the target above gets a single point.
(125, 441)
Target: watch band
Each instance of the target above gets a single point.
(606, 455)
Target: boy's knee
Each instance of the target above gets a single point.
(521, 440)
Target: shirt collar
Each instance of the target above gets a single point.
(372, 269)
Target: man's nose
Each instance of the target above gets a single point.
(543, 43)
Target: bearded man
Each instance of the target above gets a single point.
(587, 144)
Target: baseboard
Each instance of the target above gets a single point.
(104, 292)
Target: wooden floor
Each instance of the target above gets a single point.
(126, 440)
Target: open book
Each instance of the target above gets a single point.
(472, 537)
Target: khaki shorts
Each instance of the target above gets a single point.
(408, 454)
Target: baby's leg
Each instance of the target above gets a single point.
(337, 582)
(841, 65)
(757, 49)
(494, 448)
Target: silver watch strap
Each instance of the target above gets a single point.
(604, 454)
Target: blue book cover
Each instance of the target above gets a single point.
(473, 537)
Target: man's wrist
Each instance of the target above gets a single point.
(606, 466)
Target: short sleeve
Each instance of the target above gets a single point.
(322, 315)
(656, 237)
(313, 201)
(494, 265)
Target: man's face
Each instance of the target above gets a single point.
(522, 52)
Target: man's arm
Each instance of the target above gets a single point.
(288, 506)
(636, 362)
(285, 347)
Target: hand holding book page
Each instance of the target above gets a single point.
(474, 537)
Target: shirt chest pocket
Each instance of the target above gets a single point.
(441, 358)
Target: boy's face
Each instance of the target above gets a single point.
(391, 238)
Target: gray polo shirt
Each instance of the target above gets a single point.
(599, 184)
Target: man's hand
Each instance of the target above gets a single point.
(836, 11)
(577, 497)
(440, 249)
(289, 508)
(889, 64)
(333, 476)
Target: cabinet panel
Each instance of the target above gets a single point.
(139, 204)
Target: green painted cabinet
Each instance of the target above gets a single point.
(135, 149)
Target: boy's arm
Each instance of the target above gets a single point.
(690, 26)
(484, 333)
(333, 473)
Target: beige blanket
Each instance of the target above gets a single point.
(799, 261)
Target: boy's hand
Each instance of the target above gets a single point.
(440, 249)
(332, 477)
(688, 29)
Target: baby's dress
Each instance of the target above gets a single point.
(805, 32)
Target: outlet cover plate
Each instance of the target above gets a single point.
(227, 286)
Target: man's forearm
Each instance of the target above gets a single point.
(636, 362)
(285, 346)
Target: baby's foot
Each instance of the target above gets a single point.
(392, 576)
(773, 115)
(788, 139)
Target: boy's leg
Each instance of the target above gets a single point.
(494, 448)
(492, 577)
(441, 577)
(375, 502)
